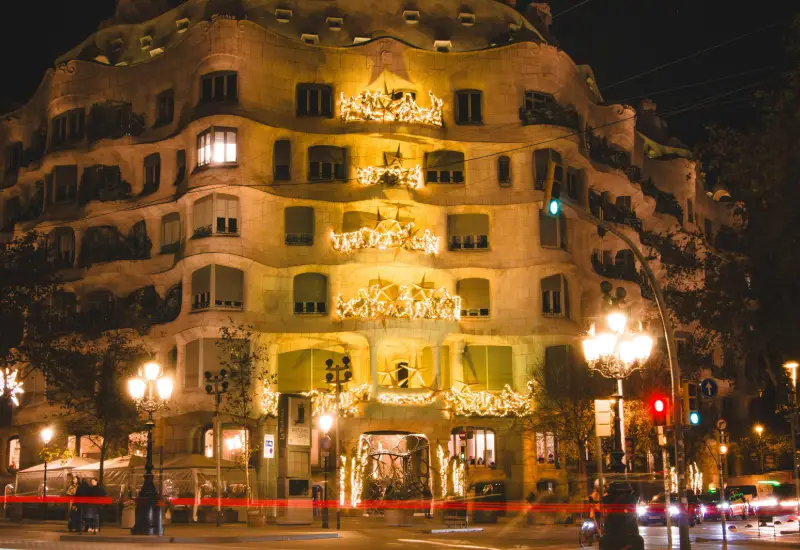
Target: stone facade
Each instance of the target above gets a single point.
(269, 64)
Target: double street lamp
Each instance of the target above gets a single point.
(325, 424)
(150, 390)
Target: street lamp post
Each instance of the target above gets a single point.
(792, 366)
(150, 391)
(338, 375)
(325, 423)
(723, 451)
(217, 385)
(615, 353)
(47, 436)
(759, 429)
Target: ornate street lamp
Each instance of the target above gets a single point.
(615, 353)
(150, 391)
(759, 429)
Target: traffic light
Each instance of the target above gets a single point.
(658, 411)
(552, 190)
(691, 404)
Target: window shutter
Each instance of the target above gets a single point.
(282, 159)
(294, 371)
(299, 219)
(562, 225)
(556, 369)
(233, 86)
(203, 213)
(476, 114)
(541, 158)
(463, 107)
(475, 293)
(310, 287)
(201, 281)
(191, 365)
(500, 367)
(228, 285)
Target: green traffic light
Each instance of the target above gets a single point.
(694, 418)
(553, 207)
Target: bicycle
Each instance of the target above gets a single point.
(588, 533)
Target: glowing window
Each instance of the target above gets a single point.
(216, 146)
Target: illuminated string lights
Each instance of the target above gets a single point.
(507, 403)
(406, 398)
(443, 464)
(323, 402)
(394, 175)
(412, 302)
(459, 478)
(343, 462)
(387, 107)
(386, 234)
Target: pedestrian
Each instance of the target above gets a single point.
(92, 514)
(81, 493)
(531, 499)
(427, 495)
(73, 515)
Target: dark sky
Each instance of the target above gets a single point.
(618, 38)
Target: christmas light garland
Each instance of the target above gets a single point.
(387, 107)
(394, 175)
(387, 234)
(507, 403)
(406, 398)
(443, 464)
(412, 302)
(10, 386)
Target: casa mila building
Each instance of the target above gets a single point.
(360, 179)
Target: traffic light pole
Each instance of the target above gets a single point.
(674, 368)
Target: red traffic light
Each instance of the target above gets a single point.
(658, 411)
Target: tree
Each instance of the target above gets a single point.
(86, 380)
(27, 280)
(245, 360)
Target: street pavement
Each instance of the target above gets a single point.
(371, 534)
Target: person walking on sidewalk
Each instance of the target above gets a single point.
(73, 514)
(91, 515)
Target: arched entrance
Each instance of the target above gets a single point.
(398, 466)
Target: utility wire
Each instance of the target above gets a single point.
(571, 8)
(691, 55)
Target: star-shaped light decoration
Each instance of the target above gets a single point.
(10, 386)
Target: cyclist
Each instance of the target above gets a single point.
(594, 506)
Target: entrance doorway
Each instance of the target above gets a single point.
(398, 467)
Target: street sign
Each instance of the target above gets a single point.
(708, 387)
(602, 417)
(269, 446)
(721, 424)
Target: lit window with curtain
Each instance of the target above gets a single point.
(555, 296)
(216, 146)
(475, 297)
(217, 286)
(488, 367)
(232, 443)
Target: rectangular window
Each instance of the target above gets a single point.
(314, 100)
(152, 173)
(504, 171)
(170, 231)
(444, 167)
(709, 229)
(226, 214)
(67, 127)
(552, 231)
(216, 146)
(555, 296)
(62, 184)
(542, 158)
(165, 107)
(488, 367)
(575, 184)
(282, 160)
(468, 231)
(534, 100)
(299, 225)
(468, 107)
(326, 163)
(219, 87)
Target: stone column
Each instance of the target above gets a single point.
(456, 365)
(373, 369)
(356, 365)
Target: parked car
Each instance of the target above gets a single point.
(734, 506)
(655, 511)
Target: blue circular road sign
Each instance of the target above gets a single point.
(708, 388)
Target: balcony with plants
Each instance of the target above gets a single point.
(103, 183)
(622, 268)
(541, 108)
(604, 153)
(113, 120)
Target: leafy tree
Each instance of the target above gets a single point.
(27, 279)
(245, 360)
(86, 380)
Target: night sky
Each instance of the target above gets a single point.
(618, 38)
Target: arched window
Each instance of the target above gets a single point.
(504, 171)
(475, 297)
(555, 296)
(476, 446)
(170, 233)
(61, 247)
(310, 293)
(13, 454)
(217, 286)
(233, 441)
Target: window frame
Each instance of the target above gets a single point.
(215, 197)
(277, 169)
(303, 100)
(203, 149)
(168, 248)
(165, 107)
(454, 445)
(563, 302)
(229, 79)
(338, 172)
(562, 231)
(68, 128)
(532, 102)
(458, 242)
(310, 307)
(298, 239)
(8, 466)
(434, 175)
(471, 119)
(482, 313)
(504, 179)
(210, 303)
(151, 166)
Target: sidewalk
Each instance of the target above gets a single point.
(174, 533)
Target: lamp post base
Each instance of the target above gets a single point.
(148, 515)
